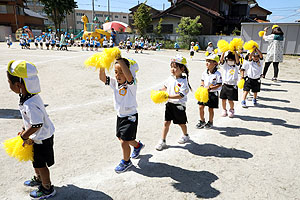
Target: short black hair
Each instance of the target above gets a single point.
(277, 31)
(14, 79)
(230, 56)
(126, 62)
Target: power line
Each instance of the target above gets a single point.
(288, 16)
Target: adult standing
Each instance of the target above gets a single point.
(275, 50)
(113, 35)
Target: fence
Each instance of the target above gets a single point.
(291, 35)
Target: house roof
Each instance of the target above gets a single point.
(33, 14)
(257, 6)
(135, 7)
(192, 4)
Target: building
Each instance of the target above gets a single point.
(14, 15)
(132, 10)
(258, 13)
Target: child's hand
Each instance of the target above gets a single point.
(28, 142)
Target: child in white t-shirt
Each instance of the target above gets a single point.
(230, 65)
(38, 129)
(192, 50)
(212, 80)
(251, 71)
(8, 41)
(177, 86)
(210, 48)
(124, 87)
(105, 43)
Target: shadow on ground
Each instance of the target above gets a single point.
(274, 121)
(10, 114)
(273, 99)
(272, 90)
(207, 150)
(71, 192)
(236, 131)
(288, 109)
(285, 81)
(197, 182)
(270, 84)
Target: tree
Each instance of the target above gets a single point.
(57, 10)
(142, 18)
(158, 28)
(188, 28)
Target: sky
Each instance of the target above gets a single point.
(282, 10)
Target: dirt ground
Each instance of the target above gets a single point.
(255, 155)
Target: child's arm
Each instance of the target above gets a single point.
(259, 53)
(202, 83)
(102, 75)
(213, 87)
(222, 58)
(175, 96)
(125, 70)
(237, 60)
(163, 88)
(25, 135)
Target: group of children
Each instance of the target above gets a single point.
(139, 45)
(38, 129)
(93, 43)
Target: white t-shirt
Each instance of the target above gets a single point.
(230, 74)
(212, 79)
(192, 49)
(105, 42)
(34, 114)
(128, 43)
(210, 49)
(177, 86)
(253, 69)
(124, 96)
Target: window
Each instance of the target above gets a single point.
(3, 9)
(79, 22)
(79, 14)
(124, 17)
(116, 16)
(167, 28)
(99, 15)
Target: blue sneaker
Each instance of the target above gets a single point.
(123, 166)
(136, 151)
(33, 182)
(254, 102)
(244, 104)
(43, 193)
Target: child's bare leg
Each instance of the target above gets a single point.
(133, 143)
(166, 129)
(224, 104)
(245, 95)
(126, 149)
(183, 128)
(211, 114)
(201, 111)
(45, 177)
(231, 104)
(254, 95)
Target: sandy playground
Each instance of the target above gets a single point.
(252, 156)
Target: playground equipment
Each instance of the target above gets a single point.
(25, 31)
(92, 30)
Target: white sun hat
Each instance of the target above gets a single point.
(28, 72)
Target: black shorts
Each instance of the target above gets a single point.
(104, 46)
(127, 127)
(57, 45)
(191, 53)
(136, 47)
(36, 44)
(175, 112)
(41, 44)
(81, 45)
(253, 84)
(213, 100)
(52, 45)
(43, 154)
(47, 45)
(140, 47)
(128, 47)
(229, 92)
(87, 45)
(91, 45)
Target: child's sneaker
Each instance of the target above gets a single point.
(231, 113)
(161, 145)
(224, 113)
(43, 193)
(184, 139)
(123, 166)
(33, 182)
(201, 124)
(254, 102)
(244, 104)
(208, 125)
(274, 79)
(136, 151)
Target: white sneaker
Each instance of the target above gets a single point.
(184, 139)
(231, 113)
(161, 145)
(224, 113)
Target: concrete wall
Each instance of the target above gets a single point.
(291, 35)
(4, 32)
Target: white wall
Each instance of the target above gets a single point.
(4, 32)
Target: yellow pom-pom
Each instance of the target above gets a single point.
(261, 33)
(250, 45)
(159, 96)
(195, 48)
(216, 51)
(201, 94)
(236, 44)
(104, 59)
(206, 53)
(241, 83)
(223, 45)
(14, 148)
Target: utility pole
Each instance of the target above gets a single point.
(93, 11)
(108, 7)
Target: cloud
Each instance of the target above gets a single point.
(276, 17)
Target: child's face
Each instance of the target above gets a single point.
(210, 45)
(120, 77)
(255, 58)
(210, 64)
(14, 87)
(231, 62)
(175, 70)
